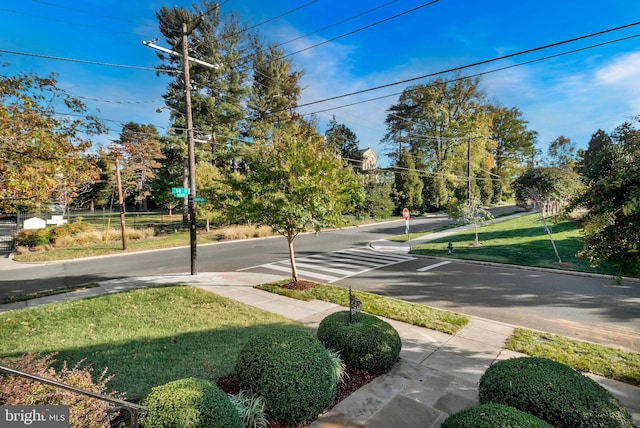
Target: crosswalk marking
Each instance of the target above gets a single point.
(336, 265)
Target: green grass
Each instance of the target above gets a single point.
(145, 337)
(520, 241)
(583, 356)
(411, 313)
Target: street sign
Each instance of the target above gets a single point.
(180, 192)
(405, 213)
(199, 199)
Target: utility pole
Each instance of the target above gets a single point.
(186, 31)
(191, 146)
(469, 170)
(121, 203)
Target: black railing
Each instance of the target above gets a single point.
(135, 411)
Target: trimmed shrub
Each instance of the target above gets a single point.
(552, 391)
(493, 416)
(190, 403)
(84, 412)
(291, 370)
(367, 343)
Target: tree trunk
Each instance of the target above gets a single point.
(292, 259)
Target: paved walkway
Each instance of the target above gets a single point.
(437, 374)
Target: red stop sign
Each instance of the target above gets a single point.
(405, 213)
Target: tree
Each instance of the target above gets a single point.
(170, 172)
(294, 184)
(612, 201)
(408, 185)
(514, 142)
(562, 153)
(612, 223)
(42, 150)
(343, 141)
(549, 187)
(141, 151)
(435, 122)
(598, 160)
(470, 213)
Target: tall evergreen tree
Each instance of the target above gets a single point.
(340, 138)
(408, 185)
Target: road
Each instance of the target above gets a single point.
(590, 308)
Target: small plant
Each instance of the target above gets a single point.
(368, 343)
(251, 408)
(339, 367)
(292, 370)
(84, 411)
(190, 403)
(553, 392)
(493, 416)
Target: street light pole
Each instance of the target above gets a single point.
(192, 156)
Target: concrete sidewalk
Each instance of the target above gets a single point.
(437, 374)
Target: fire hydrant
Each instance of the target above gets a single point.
(450, 248)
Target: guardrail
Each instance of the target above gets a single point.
(135, 411)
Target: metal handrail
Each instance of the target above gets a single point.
(134, 410)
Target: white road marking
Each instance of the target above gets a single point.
(426, 268)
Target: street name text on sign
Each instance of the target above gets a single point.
(180, 192)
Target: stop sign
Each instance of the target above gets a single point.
(405, 213)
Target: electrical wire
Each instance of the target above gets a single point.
(364, 28)
(475, 64)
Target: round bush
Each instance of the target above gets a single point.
(189, 403)
(291, 370)
(552, 391)
(493, 416)
(367, 343)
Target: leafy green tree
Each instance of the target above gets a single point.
(378, 201)
(550, 188)
(599, 158)
(470, 213)
(408, 185)
(295, 183)
(43, 157)
(562, 153)
(612, 201)
(435, 122)
(514, 142)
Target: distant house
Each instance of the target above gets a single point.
(367, 160)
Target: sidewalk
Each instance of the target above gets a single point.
(437, 374)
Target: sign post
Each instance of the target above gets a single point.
(405, 215)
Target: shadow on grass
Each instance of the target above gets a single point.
(139, 365)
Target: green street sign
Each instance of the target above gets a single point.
(199, 200)
(180, 192)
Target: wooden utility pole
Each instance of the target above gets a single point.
(191, 145)
(121, 203)
(469, 170)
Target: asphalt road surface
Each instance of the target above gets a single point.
(590, 308)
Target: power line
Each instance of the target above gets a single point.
(365, 27)
(338, 23)
(485, 72)
(83, 61)
(475, 64)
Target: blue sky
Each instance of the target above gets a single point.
(571, 95)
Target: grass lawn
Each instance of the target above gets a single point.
(583, 356)
(145, 337)
(520, 241)
(410, 313)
